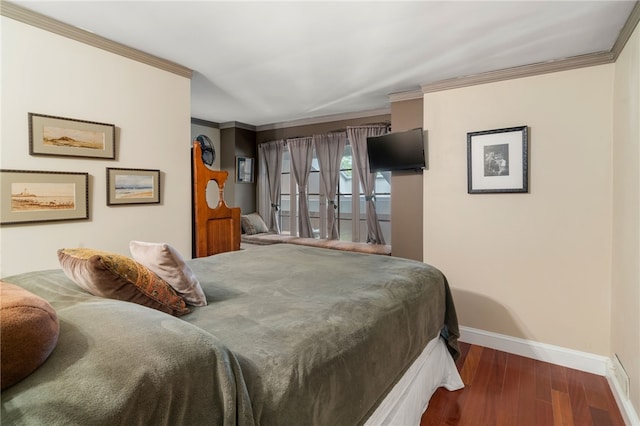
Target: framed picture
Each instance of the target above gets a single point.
(244, 170)
(35, 196)
(67, 137)
(497, 160)
(133, 186)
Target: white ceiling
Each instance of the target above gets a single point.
(271, 62)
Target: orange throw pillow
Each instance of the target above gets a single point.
(29, 332)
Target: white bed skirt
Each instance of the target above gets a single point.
(408, 399)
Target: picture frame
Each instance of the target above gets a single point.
(30, 196)
(69, 137)
(132, 186)
(244, 169)
(498, 161)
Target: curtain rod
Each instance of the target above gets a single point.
(342, 129)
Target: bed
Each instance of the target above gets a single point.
(291, 334)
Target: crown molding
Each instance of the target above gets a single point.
(237, 125)
(406, 96)
(37, 20)
(627, 30)
(206, 123)
(324, 119)
(581, 61)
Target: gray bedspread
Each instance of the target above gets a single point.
(118, 363)
(292, 335)
(321, 335)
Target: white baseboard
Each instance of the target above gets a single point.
(629, 414)
(577, 360)
(583, 361)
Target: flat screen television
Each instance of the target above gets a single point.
(396, 151)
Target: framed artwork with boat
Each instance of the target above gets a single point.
(68, 137)
(43, 196)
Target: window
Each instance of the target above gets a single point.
(313, 193)
(289, 197)
(352, 217)
(286, 182)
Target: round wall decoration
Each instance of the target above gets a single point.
(208, 150)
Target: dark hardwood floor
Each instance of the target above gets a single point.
(509, 390)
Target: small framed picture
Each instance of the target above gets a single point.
(68, 137)
(244, 170)
(132, 186)
(38, 196)
(497, 160)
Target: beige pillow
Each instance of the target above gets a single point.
(29, 330)
(169, 265)
(119, 277)
(252, 224)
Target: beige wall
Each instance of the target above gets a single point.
(406, 189)
(49, 74)
(625, 305)
(535, 266)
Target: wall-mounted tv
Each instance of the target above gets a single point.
(396, 151)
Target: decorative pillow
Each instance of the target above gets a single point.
(168, 264)
(252, 224)
(119, 277)
(29, 332)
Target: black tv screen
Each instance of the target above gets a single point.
(396, 151)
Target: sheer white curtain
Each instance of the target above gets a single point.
(301, 151)
(358, 139)
(271, 153)
(329, 150)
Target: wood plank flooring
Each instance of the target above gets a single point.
(502, 389)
